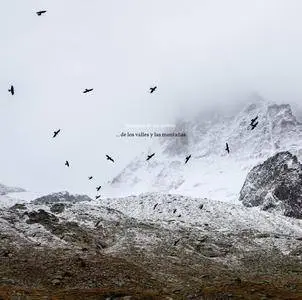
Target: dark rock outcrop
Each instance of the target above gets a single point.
(276, 184)
(42, 217)
(61, 197)
(57, 208)
(8, 189)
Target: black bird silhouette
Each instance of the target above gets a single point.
(201, 206)
(150, 156)
(187, 158)
(174, 211)
(227, 147)
(97, 197)
(254, 125)
(152, 89)
(67, 163)
(155, 205)
(87, 91)
(98, 188)
(12, 90)
(109, 158)
(253, 120)
(55, 133)
(97, 223)
(39, 13)
(176, 242)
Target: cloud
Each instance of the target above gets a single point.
(199, 53)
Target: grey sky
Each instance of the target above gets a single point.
(199, 53)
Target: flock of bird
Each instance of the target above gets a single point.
(56, 132)
(253, 124)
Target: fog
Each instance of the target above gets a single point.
(200, 54)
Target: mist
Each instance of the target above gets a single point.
(201, 55)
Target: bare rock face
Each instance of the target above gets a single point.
(61, 197)
(42, 217)
(275, 184)
(57, 208)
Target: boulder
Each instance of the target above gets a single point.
(275, 185)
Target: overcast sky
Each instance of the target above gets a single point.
(197, 52)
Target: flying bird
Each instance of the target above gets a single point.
(253, 120)
(109, 158)
(97, 197)
(97, 223)
(90, 177)
(55, 133)
(174, 211)
(39, 13)
(155, 205)
(87, 91)
(150, 156)
(187, 158)
(67, 163)
(152, 89)
(254, 125)
(12, 90)
(227, 147)
(176, 242)
(98, 188)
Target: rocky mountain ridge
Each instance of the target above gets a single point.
(4, 189)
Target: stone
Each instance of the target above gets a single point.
(275, 185)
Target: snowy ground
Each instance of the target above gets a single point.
(12, 198)
(220, 216)
(174, 209)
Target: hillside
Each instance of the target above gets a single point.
(212, 172)
(121, 247)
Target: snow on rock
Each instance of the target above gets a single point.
(209, 215)
(4, 190)
(12, 195)
(61, 197)
(211, 172)
(276, 185)
(152, 222)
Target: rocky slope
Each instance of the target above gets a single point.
(4, 190)
(276, 184)
(152, 246)
(61, 197)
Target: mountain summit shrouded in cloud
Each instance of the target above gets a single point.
(212, 172)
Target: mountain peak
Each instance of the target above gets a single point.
(61, 197)
(277, 130)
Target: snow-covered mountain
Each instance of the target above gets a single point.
(212, 172)
(142, 219)
(4, 189)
